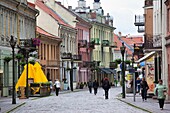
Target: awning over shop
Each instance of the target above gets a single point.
(105, 70)
(111, 70)
(148, 56)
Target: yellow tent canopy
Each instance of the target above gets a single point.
(34, 72)
(39, 74)
(22, 79)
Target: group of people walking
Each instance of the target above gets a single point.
(95, 85)
(142, 86)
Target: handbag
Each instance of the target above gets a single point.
(156, 91)
(165, 93)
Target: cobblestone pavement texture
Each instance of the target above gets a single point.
(82, 102)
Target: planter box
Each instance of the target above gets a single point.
(44, 91)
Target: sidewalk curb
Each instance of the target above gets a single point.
(10, 110)
(133, 105)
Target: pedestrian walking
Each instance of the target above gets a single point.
(95, 86)
(90, 85)
(51, 86)
(160, 90)
(106, 87)
(57, 86)
(138, 81)
(144, 87)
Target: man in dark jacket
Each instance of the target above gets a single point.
(90, 85)
(144, 87)
(95, 86)
(106, 86)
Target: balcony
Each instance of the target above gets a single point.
(148, 3)
(95, 40)
(27, 44)
(52, 63)
(82, 44)
(105, 43)
(139, 20)
(113, 65)
(141, 29)
(66, 56)
(84, 64)
(113, 45)
(77, 58)
(157, 41)
(91, 45)
(149, 42)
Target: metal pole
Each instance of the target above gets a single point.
(123, 75)
(71, 76)
(27, 75)
(13, 69)
(18, 68)
(134, 90)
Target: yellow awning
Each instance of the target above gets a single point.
(22, 79)
(39, 74)
(34, 72)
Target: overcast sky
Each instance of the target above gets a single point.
(123, 12)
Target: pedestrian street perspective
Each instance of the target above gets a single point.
(84, 102)
(84, 56)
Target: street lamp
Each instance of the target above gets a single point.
(27, 46)
(13, 43)
(122, 48)
(134, 80)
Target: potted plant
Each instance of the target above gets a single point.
(19, 56)
(22, 63)
(127, 61)
(32, 62)
(118, 61)
(68, 69)
(7, 59)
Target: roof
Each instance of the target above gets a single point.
(52, 13)
(128, 41)
(42, 31)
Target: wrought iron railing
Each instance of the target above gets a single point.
(53, 63)
(148, 3)
(139, 20)
(105, 43)
(66, 56)
(77, 57)
(82, 44)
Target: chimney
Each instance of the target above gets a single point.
(58, 2)
(120, 34)
(108, 15)
(70, 7)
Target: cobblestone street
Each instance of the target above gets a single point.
(78, 102)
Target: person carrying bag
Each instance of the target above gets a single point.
(161, 91)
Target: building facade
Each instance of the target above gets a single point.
(49, 54)
(17, 18)
(101, 34)
(66, 32)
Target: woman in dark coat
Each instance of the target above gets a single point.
(106, 87)
(144, 87)
(95, 86)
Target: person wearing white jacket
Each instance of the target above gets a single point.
(57, 86)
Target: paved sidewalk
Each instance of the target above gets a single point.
(6, 102)
(151, 105)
